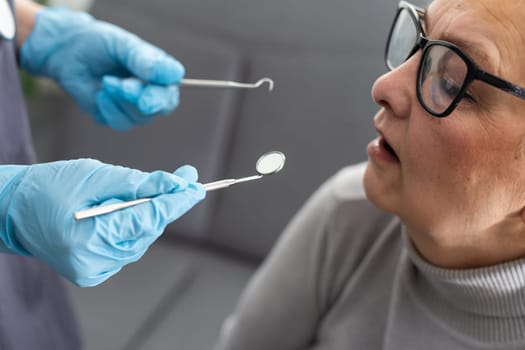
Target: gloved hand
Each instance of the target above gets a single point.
(37, 204)
(112, 74)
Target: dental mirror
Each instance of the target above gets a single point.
(267, 164)
(270, 163)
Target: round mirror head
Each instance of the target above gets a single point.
(270, 163)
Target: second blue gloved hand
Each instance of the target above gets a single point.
(37, 204)
(113, 75)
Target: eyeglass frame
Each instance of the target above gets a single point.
(474, 72)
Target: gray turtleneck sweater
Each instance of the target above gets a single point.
(344, 276)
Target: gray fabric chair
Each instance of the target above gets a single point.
(323, 56)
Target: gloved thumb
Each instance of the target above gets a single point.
(172, 194)
(172, 206)
(188, 173)
(160, 182)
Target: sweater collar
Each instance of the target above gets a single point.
(488, 303)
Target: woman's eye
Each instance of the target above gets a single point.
(449, 90)
(449, 87)
(443, 92)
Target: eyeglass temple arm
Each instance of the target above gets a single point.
(501, 84)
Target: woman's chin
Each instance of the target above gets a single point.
(381, 188)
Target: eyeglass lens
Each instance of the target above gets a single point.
(441, 78)
(403, 39)
(442, 72)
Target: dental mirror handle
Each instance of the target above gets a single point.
(104, 209)
(212, 186)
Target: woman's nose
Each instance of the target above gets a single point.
(396, 90)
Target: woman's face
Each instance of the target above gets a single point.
(461, 178)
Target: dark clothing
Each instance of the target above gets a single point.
(35, 312)
(15, 138)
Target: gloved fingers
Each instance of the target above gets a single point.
(169, 207)
(117, 114)
(109, 183)
(148, 62)
(128, 89)
(103, 255)
(133, 102)
(141, 225)
(88, 265)
(160, 182)
(102, 260)
(156, 99)
(85, 281)
(83, 89)
(128, 231)
(188, 173)
(149, 99)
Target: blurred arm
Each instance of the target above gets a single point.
(25, 18)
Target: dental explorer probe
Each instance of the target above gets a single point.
(267, 164)
(226, 83)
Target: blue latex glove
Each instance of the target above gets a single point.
(37, 204)
(112, 74)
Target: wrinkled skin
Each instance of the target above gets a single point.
(459, 184)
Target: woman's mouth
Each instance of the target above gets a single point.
(387, 147)
(380, 150)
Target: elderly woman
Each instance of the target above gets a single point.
(447, 269)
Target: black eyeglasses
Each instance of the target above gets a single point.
(445, 71)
